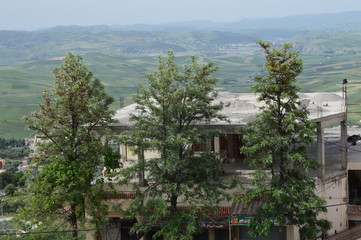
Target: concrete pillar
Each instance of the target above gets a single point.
(292, 232)
(123, 152)
(91, 235)
(343, 145)
(217, 145)
(208, 145)
(321, 149)
(211, 234)
(235, 233)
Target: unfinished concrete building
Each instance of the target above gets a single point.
(338, 182)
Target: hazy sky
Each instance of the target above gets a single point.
(36, 14)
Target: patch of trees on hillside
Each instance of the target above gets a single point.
(13, 148)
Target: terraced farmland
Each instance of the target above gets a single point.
(328, 58)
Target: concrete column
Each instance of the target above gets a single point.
(208, 145)
(91, 235)
(123, 152)
(321, 149)
(217, 145)
(292, 232)
(211, 234)
(343, 145)
(235, 233)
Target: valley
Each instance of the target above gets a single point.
(121, 58)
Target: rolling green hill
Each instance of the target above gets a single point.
(122, 58)
(21, 85)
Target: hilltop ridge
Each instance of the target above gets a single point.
(121, 56)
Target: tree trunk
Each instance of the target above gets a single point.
(173, 203)
(74, 223)
(141, 174)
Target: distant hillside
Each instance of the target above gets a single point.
(121, 56)
(21, 84)
(203, 38)
(18, 46)
(321, 22)
(335, 21)
(344, 21)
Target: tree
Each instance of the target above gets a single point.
(10, 189)
(63, 191)
(165, 121)
(276, 143)
(19, 179)
(6, 178)
(13, 148)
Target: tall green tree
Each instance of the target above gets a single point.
(276, 143)
(167, 114)
(65, 188)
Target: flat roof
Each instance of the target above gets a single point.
(240, 108)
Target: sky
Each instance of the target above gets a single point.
(38, 14)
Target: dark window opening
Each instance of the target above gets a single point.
(354, 183)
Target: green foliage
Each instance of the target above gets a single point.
(165, 121)
(111, 158)
(19, 179)
(11, 177)
(11, 143)
(12, 203)
(276, 143)
(14, 152)
(10, 189)
(6, 178)
(28, 231)
(63, 191)
(13, 148)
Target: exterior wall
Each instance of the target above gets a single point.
(292, 233)
(148, 154)
(334, 190)
(354, 165)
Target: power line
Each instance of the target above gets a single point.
(339, 145)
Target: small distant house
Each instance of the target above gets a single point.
(2, 163)
(24, 165)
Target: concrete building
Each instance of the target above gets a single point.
(338, 181)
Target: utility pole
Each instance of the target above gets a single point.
(344, 95)
(2, 208)
(2, 214)
(344, 128)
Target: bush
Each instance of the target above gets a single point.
(5, 179)
(10, 189)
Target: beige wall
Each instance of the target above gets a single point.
(334, 190)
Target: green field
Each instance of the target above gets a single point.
(328, 58)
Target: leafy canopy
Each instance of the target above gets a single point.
(71, 149)
(182, 184)
(276, 143)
